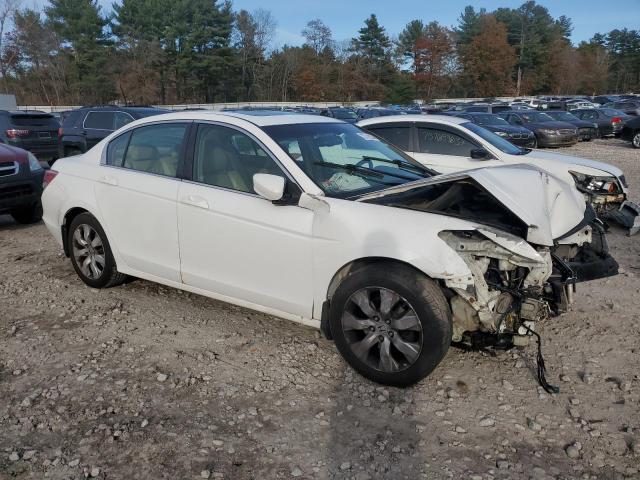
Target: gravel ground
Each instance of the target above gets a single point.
(143, 381)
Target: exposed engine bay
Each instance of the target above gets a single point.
(514, 283)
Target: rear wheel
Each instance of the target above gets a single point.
(91, 255)
(635, 140)
(29, 214)
(391, 323)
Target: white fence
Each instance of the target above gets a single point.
(215, 106)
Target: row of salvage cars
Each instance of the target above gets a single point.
(329, 224)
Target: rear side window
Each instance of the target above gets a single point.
(398, 136)
(100, 120)
(69, 121)
(117, 149)
(442, 142)
(121, 119)
(154, 149)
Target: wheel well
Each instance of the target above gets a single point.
(68, 218)
(359, 263)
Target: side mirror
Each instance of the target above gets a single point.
(479, 154)
(270, 187)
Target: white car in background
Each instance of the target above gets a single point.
(449, 144)
(317, 221)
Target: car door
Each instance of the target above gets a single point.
(136, 192)
(444, 148)
(96, 126)
(234, 243)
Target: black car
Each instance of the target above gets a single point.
(548, 132)
(486, 108)
(340, 113)
(630, 107)
(586, 130)
(521, 136)
(602, 99)
(86, 126)
(21, 179)
(609, 120)
(34, 131)
(365, 113)
(631, 132)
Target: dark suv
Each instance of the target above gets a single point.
(21, 178)
(36, 132)
(86, 126)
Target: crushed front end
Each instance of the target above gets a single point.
(514, 284)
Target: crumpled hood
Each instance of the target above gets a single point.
(547, 205)
(569, 160)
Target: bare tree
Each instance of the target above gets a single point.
(318, 36)
(8, 8)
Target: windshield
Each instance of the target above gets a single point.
(489, 120)
(495, 140)
(535, 117)
(343, 114)
(345, 161)
(562, 116)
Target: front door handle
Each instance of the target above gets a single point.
(195, 201)
(108, 180)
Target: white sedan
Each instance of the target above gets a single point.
(316, 221)
(450, 144)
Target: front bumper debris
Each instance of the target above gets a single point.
(628, 215)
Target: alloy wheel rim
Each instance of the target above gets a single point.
(382, 329)
(636, 140)
(88, 251)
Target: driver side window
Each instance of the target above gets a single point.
(442, 142)
(227, 158)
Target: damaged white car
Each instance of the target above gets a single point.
(316, 221)
(450, 144)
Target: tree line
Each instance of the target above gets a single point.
(202, 51)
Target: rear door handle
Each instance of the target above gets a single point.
(108, 180)
(195, 201)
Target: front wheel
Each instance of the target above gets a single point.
(91, 255)
(635, 140)
(392, 324)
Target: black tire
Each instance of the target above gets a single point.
(29, 214)
(421, 294)
(108, 276)
(635, 139)
(535, 142)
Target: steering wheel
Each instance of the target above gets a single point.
(364, 161)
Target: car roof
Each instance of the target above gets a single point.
(414, 118)
(258, 118)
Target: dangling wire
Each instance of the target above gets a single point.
(542, 370)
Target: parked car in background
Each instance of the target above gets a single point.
(586, 130)
(448, 144)
(609, 120)
(631, 132)
(86, 126)
(630, 107)
(579, 103)
(487, 108)
(333, 227)
(340, 113)
(601, 100)
(548, 132)
(364, 113)
(34, 131)
(21, 177)
(520, 136)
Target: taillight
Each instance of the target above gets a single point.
(49, 176)
(14, 133)
(616, 120)
(60, 132)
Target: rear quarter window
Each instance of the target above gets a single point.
(33, 121)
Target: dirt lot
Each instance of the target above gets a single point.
(143, 381)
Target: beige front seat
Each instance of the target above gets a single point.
(220, 168)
